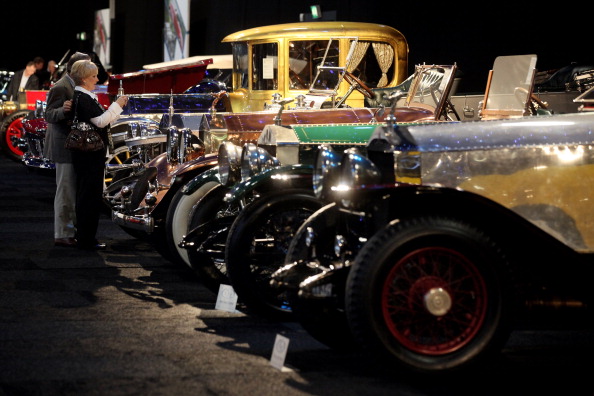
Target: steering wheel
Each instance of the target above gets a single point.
(358, 85)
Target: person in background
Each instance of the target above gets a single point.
(89, 167)
(22, 80)
(52, 69)
(41, 72)
(57, 114)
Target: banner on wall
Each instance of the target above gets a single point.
(175, 31)
(101, 37)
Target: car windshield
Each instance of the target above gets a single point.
(511, 82)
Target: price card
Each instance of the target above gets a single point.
(226, 299)
(279, 352)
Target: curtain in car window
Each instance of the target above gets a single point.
(384, 53)
(358, 54)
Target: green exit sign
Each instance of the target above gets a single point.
(315, 11)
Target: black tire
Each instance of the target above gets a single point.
(431, 294)
(177, 222)
(210, 268)
(326, 322)
(257, 244)
(12, 127)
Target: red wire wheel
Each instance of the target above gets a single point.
(434, 301)
(430, 293)
(12, 127)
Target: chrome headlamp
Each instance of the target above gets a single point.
(356, 170)
(229, 163)
(254, 160)
(326, 165)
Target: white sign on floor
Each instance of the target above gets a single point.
(279, 352)
(226, 299)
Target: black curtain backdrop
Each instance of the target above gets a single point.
(442, 33)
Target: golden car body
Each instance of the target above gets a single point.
(285, 58)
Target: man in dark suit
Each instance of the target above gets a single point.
(22, 80)
(57, 115)
(41, 72)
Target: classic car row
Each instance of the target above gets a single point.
(372, 211)
(309, 66)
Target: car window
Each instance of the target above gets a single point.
(265, 66)
(304, 59)
(372, 62)
(240, 65)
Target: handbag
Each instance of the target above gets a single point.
(83, 136)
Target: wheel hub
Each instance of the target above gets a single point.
(437, 301)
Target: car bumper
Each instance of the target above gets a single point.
(144, 223)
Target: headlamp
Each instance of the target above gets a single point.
(229, 161)
(326, 165)
(254, 160)
(356, 170)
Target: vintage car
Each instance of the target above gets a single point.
(337, 65)
(11, 124)
(228, 207)
(255, 249)
(285, 59)
(512, 76)
(438, 240)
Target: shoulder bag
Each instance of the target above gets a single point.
(83, 136)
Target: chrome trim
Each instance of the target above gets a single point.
(144, 223)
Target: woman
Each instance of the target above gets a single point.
(58, 115)
(89, 167)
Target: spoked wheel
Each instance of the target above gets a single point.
(11, 130)
(121, 155)
(431, 294)
(257, 244)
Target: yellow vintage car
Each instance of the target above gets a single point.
(313, 58)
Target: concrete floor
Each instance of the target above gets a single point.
(124, 321)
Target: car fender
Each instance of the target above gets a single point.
(289, 176)
(210, 175)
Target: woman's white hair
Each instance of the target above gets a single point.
(82, 69)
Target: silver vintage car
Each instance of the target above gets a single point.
(438, 240)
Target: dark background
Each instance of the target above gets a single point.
(470, 34)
